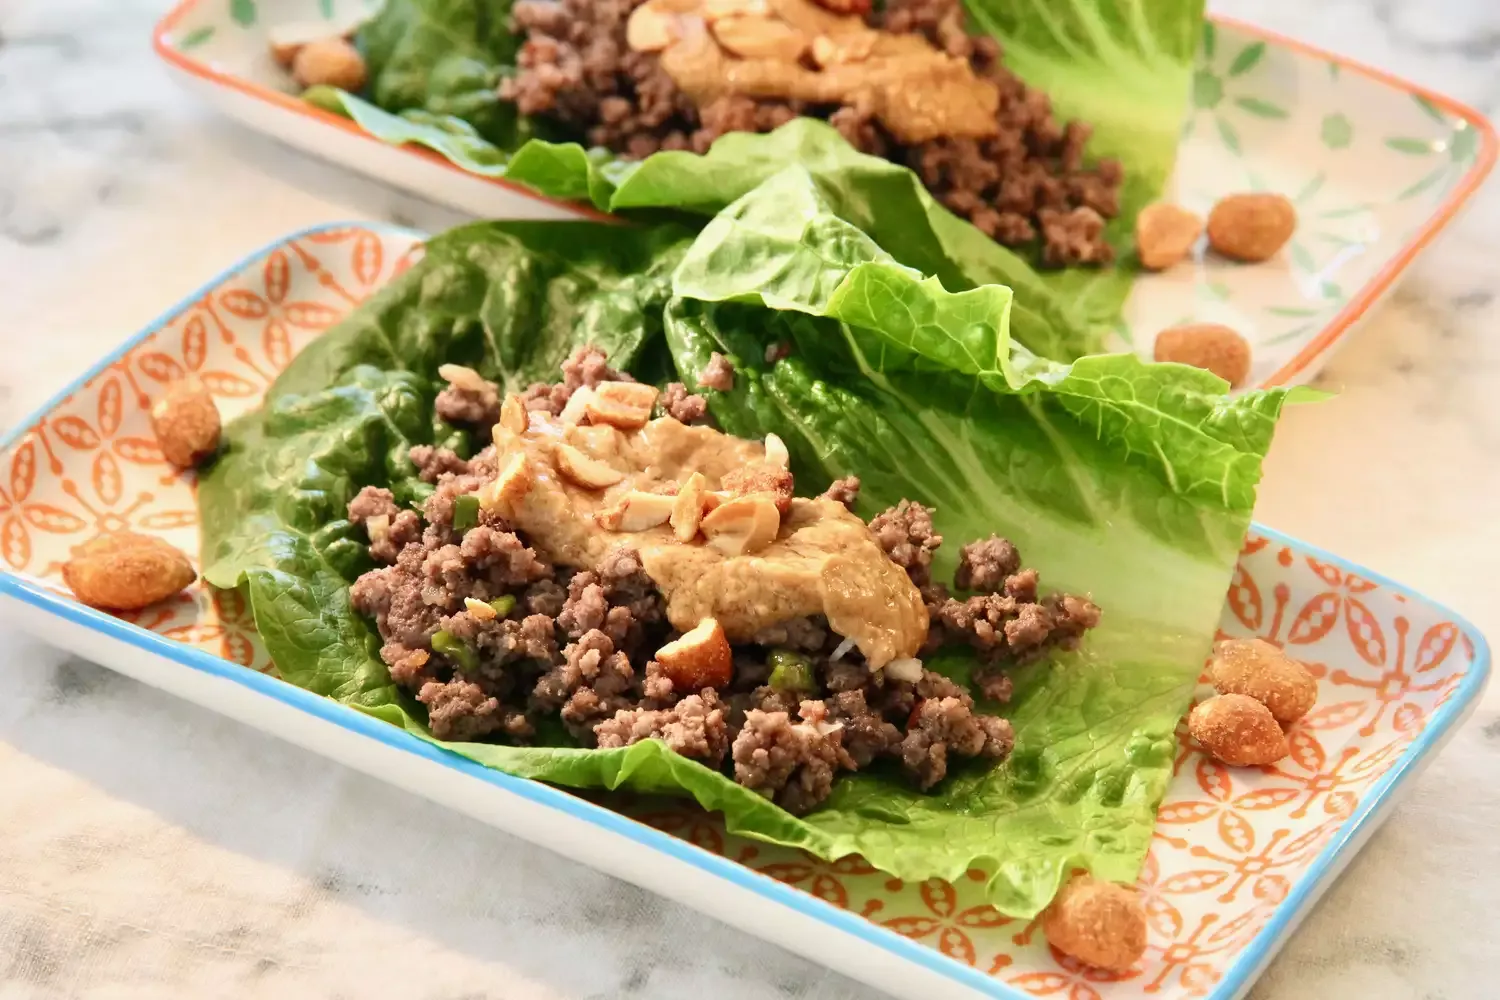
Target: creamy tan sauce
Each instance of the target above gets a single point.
(824, 560)
(917, 91)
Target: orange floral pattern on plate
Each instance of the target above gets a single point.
(1230, 845)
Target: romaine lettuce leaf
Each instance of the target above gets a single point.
(1129, 480)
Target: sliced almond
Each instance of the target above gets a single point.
(776, 452)
(744, 525)
(507, 489)
(687, 507)
(513, 415)
(637, 511)
(700, 659)
(626, 405)
(577, 407)
(751, 37)
(479, 609)
(651, 28)
(586, 471)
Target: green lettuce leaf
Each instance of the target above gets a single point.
(883, 199)
(1129, 480)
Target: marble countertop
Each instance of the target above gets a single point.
(119, 194)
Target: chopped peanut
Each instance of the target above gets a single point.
(687, 510)
(586, 471)
(637, 511)
(742, 526)
(700, 659)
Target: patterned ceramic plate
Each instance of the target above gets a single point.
(1376, 166)
(1239, 856)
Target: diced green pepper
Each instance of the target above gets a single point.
(326, 98)
(454, 648)
(790, 671)
(465, 512)
(504, 605)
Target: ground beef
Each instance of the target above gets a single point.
(985, 564)
(694, 727)
(792, 763)
(1000, 626)
(502, 641)
(867, 734)
(401, 527)
(945, 725)
(1074, 236)
(433, 463)
(460, 710)
(717, 374)
(1027, 184)
(585, 366)
(993, 683)
(588, 366)
(593, 682)
(392, 595)
(679, 404)
(905, 532)
(372, 501)
(473, 407)
(807, 634)
(844, 491)
(546, 397)
(657, 689)
(545, 597)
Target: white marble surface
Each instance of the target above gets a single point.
(153, 849)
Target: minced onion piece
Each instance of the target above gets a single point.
(907, 669)
(841, 650)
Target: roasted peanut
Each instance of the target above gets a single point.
(1237, 730)
(1099, 923)
(126, 571)
(1210, 346)
(332, 62)
(1255, 668)
(1251, 227)
(186, 423)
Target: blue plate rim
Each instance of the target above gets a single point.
(1240, 973)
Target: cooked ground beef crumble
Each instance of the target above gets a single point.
(493, 639)
(1027, 184)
